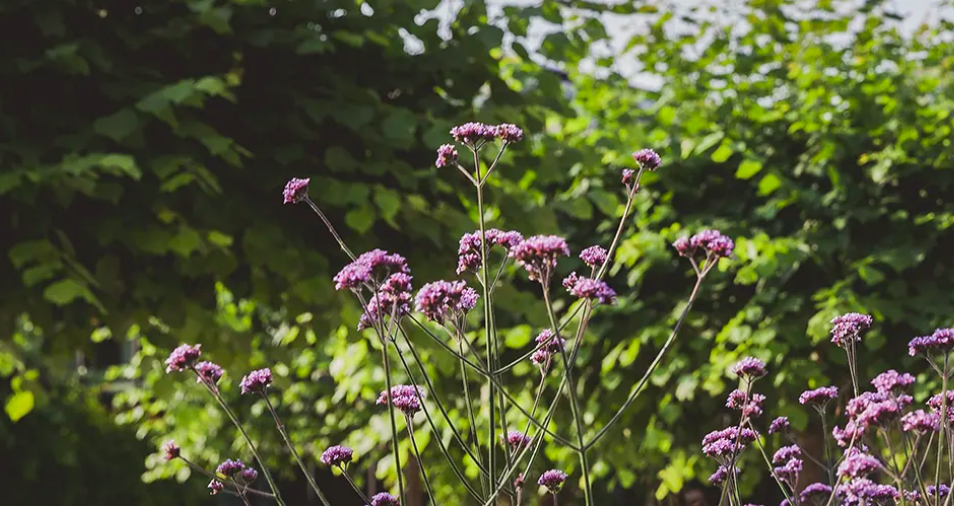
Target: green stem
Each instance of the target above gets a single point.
(291, 446)
(355, 486)
(491, 363)
(942, 418)
(420, 462)
(771, 469)
(470, 405)
(394, 437)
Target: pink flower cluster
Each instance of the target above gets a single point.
(443, 300)
(539, 254)
(369, 266)
(710, 243)
(469, 251)
(474, 134)
(406, 398)
(588, 288)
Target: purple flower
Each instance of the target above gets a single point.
(368, 265)
(230, 467)
(721, 247)
(446, 155)
(256, 381)
(786, 453)
(385, 499)
(208, 372)
(816, 492)
(408, 405)
(789, 471)
(749, 367)
(539, 254)
(469, 251)
(215, 486)
(296, 190)
(848, 327)
(588, 288)
(780, 424)
(683, 247)
(727, 442)
(872, 409)
(393, 299)
(509, 133)
(736, 399)
(628, 176)
(443, 300)
(891, 380)
(720, 475)
(517, 439)
(171, 449)
(865, 491)
(552, 480)
(940, 491)
(858, 465)
(406, 398)
(818, 396)
(920, 421)
(712, 242)
(248, 475)
(594, 256)
(473, 133)
(519, 481)
(940, 340)
(647, 159)
(337, 455)
(183, 357)
(543, 356)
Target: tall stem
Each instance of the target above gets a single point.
(943, 426)
(420, 461)
(470, 405)
(491, 363)
(331, 228)
(291, 446)
(355, 486)
(394, 433)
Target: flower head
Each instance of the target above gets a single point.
(469, 252)
(647, 159)
(940, 340)
(385, 499)
(628, 175)
(858, 465)
(594, 256)
(749, 367)
(230, 467)
(296, 190)
(256, 381)
(683, 247)
(848, 327)
(519, 481)
(780, 424)
(442, 300)
(539, 254)
(406, 398)
(339, 456)
(892, 381)
(550, 346)
(552, 480)
(710, 242)
(183, 357)
(248, 475)
(446, 155)
(376, 263)
(818, 492)
(392, 300)
(473, 133)
(720, 475)
(208, 372)
(509, 133)
(517, 439)
(786, 453)
(171, 449)
(818, 396)
(215, 486)
(789, 471)
(589, 288)
(920, 421)
(940, 491)
(865, 491)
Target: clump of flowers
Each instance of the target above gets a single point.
(594, 256)
(446, 300)
(552, 480)
(208, 372)
(183, 357)
(337, 456)
(589, 288)
(256, 381)
(539, 255)
(296, 190)
(385, 499)
(469, 253)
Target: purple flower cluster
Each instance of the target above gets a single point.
(296, 190)
(589, 288)
(248, 475)
(941, 340)
(171, 450)
(406, 398)
(816, 492)
(818, 396)
(594, 256)
(446, 155)
(848, 327)
(552, 480)
(183, 357)
(920, 421)
(517, 440)
(539, 254)
(749, 405)
(858, 464)
(544, 355)
(727, 442)
(474, 134)
(509, 133)
(208, 372)
(750, 368)
(647, 159)
(788, 463)
(369, 265)
(392, 299)
(628, 175)
(469, 251)
(338, 456)
(442, 300)
(892, 381)
(937, 403)
(216, 486)
(230, 467)
(384, 499)
(779, 425)
(256, 381)
(862, 491)
(710, 242)
(867, 410)
(720, 475)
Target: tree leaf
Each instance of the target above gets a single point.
(117, 126)
(19, 405)
(748, 168)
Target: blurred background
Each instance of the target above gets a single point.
(144, 146)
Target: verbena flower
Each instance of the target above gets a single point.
(171, 450)
(209, 372)
(647, 159)
(248, 475)
(780, 424)
(594, 256)
(469, 251)
(891, 381)
(709, 242)
(865, 491)
(230, 467)
(749, 367)
(183, 357)
(848, 327)
(393, 299)
(543, 356)
(818, 396)
(539, 254)
(446, 155)
(939, 490)
(215, 486)
(720, 475)
(296, 190)
(858, 465)
(789, 471)
(406, 398)
(588, 288)
(727, 442)
(509, 133)
(339, 456)
(920, 421)
(786, 453)
(553, 480)
(517, 440)
(936, 402)
(442, 300)
(683, 247)
(385, 499)
(401, 391)
(256, 381)
(519, 481)
(628, 175)
(942, 340)
(473, 133)
(817, 492)
(376, 263)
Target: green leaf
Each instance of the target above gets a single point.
(65, 291)
(19, 405)
(388, 201)
(399, 126)
(769, 184)
(722, 153)
(360, 219)
(117, 126)
(748, 168)
(25, 251)
(124, 163)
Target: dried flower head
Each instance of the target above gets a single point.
(446, 155)
(647, 159)
(208, 372)
(848, 327)
(539, 254)
(183, 357)
(296, 190)
(339, 456)
(256, 381)
(553, 480)
(171, 450)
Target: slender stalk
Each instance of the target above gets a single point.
(248, 440)
(291, 446)
(394, 433)
(355, 486)
(622, 224)
(211, 475)
(768, 462)
(470, 403)
(828, 466)
(331, 228)
(420, 461)
(484, 280)
(240, 494)
(942, 418)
